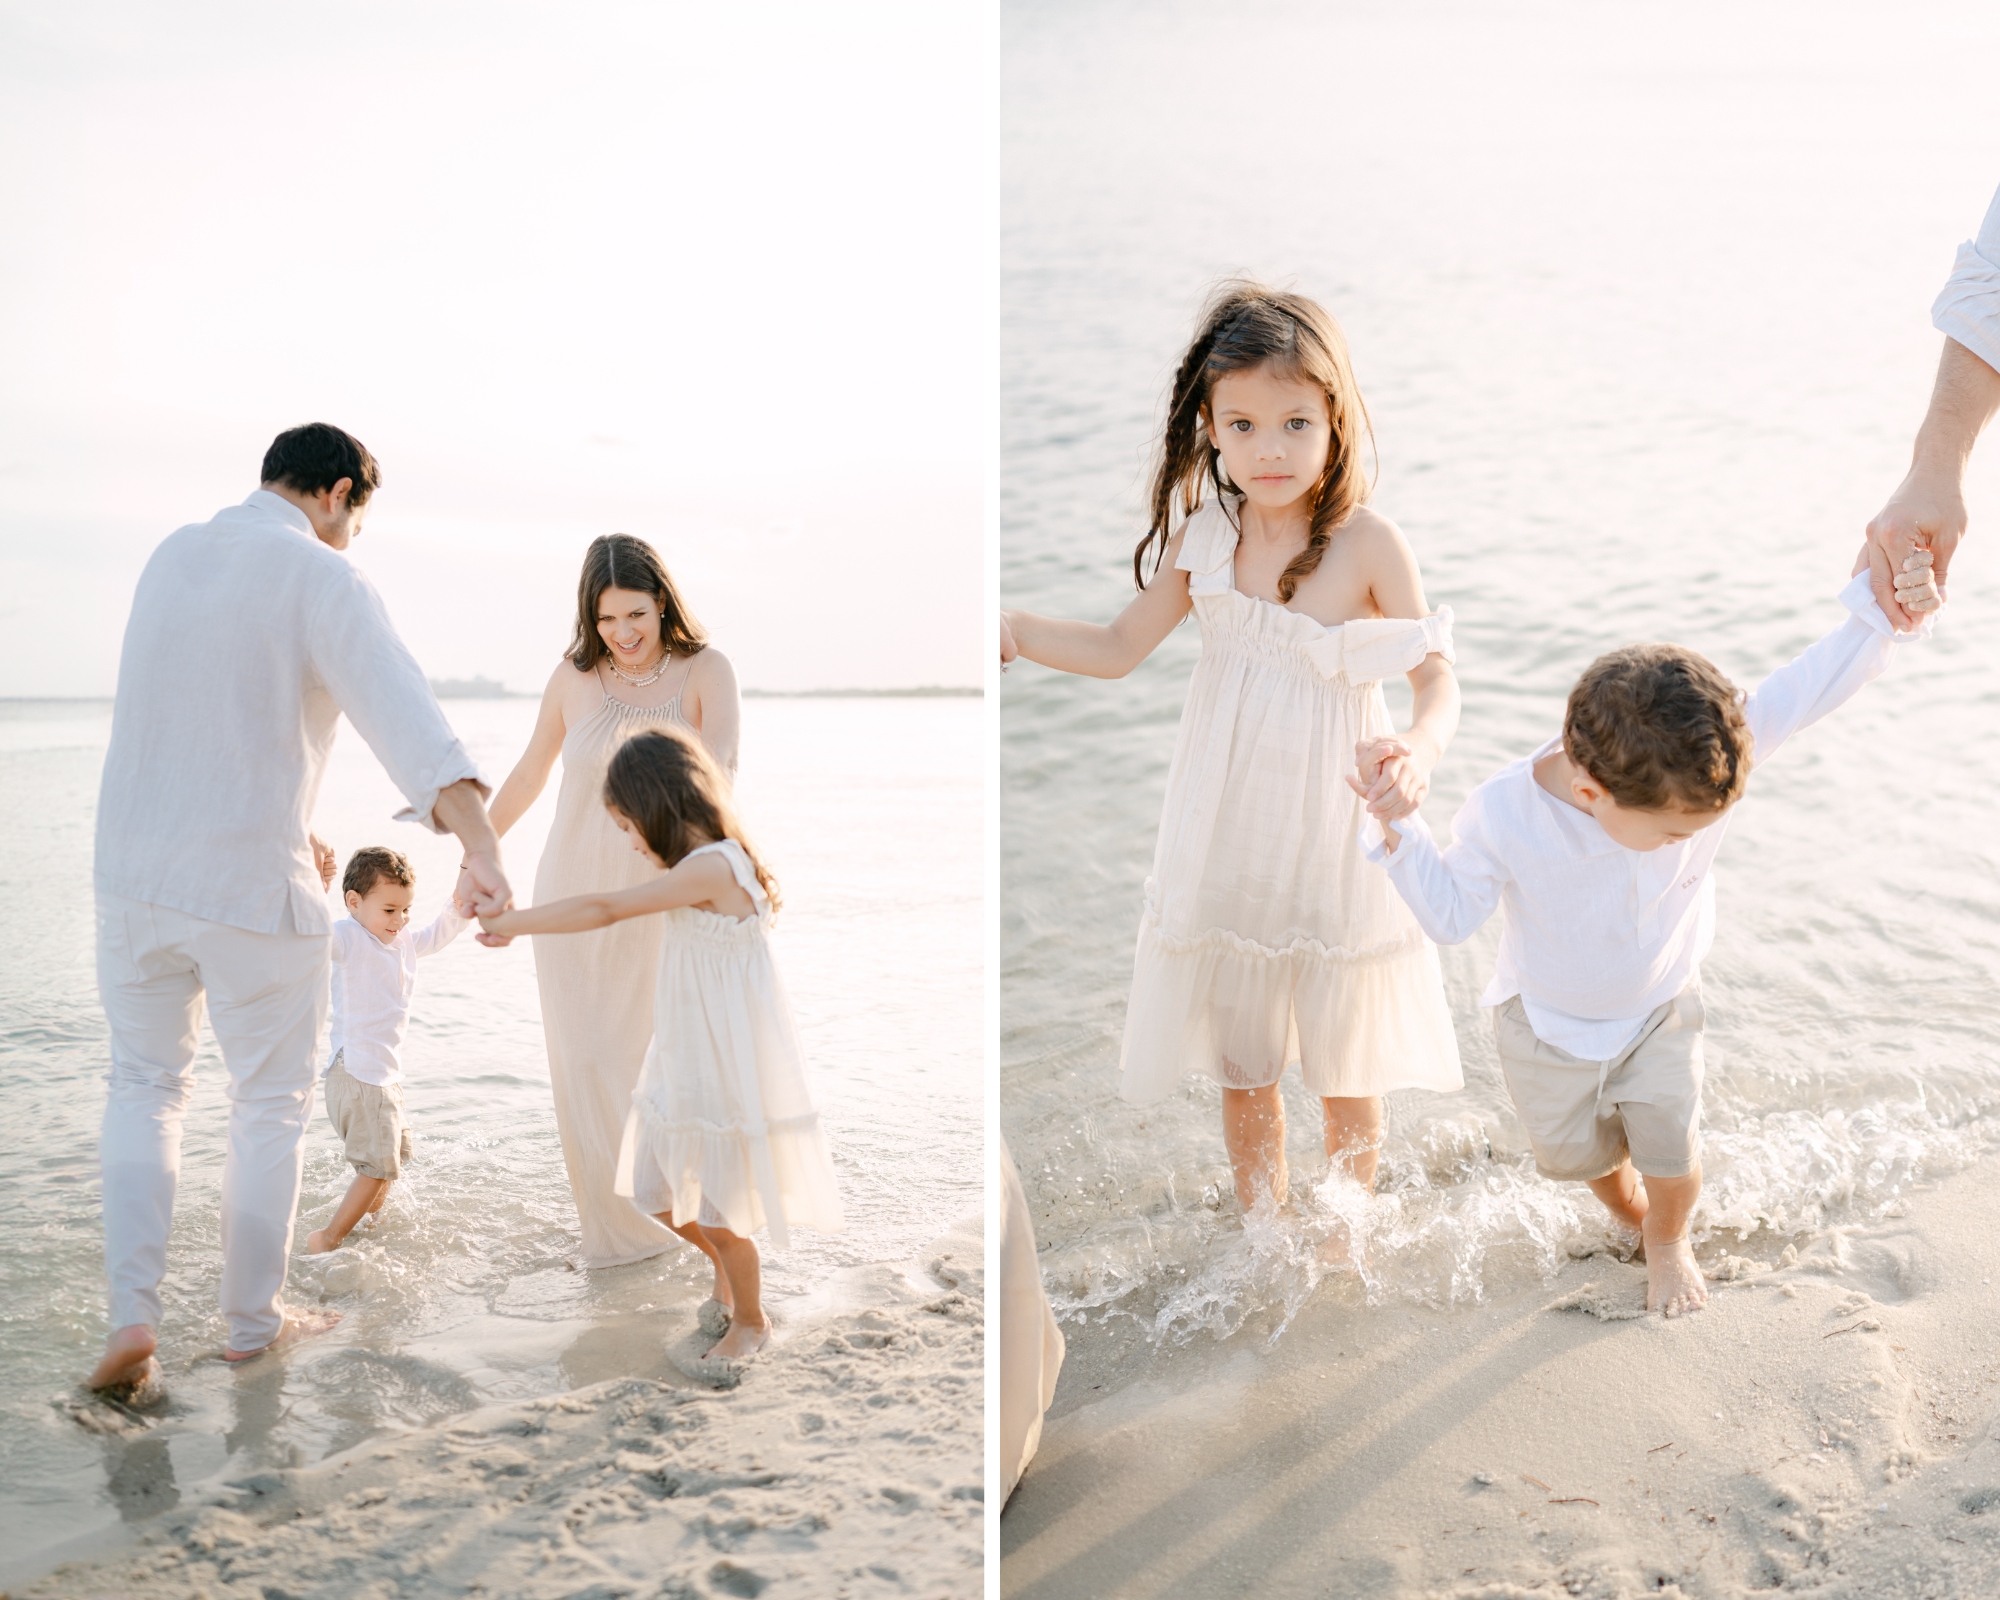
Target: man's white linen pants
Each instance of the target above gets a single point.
(266, 995)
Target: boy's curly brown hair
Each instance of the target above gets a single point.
(1658, 726)
(371, 864)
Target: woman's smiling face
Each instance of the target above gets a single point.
(629, 624)
(1274, 432)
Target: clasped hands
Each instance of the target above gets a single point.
(1393, 774)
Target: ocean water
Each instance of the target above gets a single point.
(1639, 299)
(463, 1292)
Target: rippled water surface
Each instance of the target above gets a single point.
(463, 1291)
(1640, 302)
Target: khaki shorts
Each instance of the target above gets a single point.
(1585, 1117)
(369, 1119)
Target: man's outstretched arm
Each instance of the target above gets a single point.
(1928, 507)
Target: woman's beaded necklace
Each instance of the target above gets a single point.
(639, 680)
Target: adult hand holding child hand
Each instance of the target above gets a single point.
(323, 858)
(1917, 578)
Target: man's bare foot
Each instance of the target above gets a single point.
(1674, 1284)
(128, 1360)
(317, 1243)
(298, 1325)
(742, 1341)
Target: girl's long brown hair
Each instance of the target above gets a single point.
(1245, 325)
(670, 788)
(622, 561)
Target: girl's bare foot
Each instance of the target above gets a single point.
(742, 1341)
(298, 1325)
(1674, 1284)
(317, 1243)
(128, 1360)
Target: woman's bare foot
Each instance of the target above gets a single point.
(128, 1360)
(742, 1341)
(298, 1325)
(1674, 1284)
(317, 1243)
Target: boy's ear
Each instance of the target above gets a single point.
(353, 900)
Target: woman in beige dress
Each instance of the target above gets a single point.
(639, 660)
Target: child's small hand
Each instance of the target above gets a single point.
(1390, 837)
(1917, 590)
(1008, 649)
(490, 936)
(1394, 774)
(323, 858)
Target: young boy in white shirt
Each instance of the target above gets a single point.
(1598, 847)
(374, 975)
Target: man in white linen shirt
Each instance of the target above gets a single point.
(1598, 846)
(249, 636)
(1928, 507)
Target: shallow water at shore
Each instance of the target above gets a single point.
(1639, 306)
(463, 1291)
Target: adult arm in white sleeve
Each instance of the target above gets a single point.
(375, 680)
(1825, 676)
(1967, 309)
(1450, 892)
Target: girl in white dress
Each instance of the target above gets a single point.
(722, 1138)
(1265, 938)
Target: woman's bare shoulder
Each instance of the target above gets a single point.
(569, 684)
(711, 667)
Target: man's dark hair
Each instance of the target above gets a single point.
(314, 458)
(369, 865)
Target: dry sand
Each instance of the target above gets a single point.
(1826, 1426)
(848, 1463)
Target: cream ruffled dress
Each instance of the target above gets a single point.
(1267, 938)
(722, 1128)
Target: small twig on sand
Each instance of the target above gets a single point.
(1659, 1447)
(1537, 1482)
(1863, 1323)
(1576, 1500)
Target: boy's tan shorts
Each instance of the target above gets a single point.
(369, 1119)
(1584, 1117)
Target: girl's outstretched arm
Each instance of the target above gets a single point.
(1396, 772)
(1103, 650)
(703, 880)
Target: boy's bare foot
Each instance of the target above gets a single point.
(128, 1360)
(298, 1325)
(1674, 1284)
(317, 1243)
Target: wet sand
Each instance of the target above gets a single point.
(1826, 1425)
(848, 1462)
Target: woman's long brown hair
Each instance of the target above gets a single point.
(1245, 325)
(668, 785)
(621, 561)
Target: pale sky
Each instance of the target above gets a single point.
(719, 276)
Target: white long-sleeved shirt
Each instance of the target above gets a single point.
(1968, 307)
(1596, 935)
(248, 638)
(373, 984)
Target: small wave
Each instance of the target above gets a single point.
(1453, 1224)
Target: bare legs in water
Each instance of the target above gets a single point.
(1659, 1208)
(1253, 1129)
(739, 1284)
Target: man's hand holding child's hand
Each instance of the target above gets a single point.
(323, 858)
(1917, 591)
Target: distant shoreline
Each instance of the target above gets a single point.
(485, 689)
